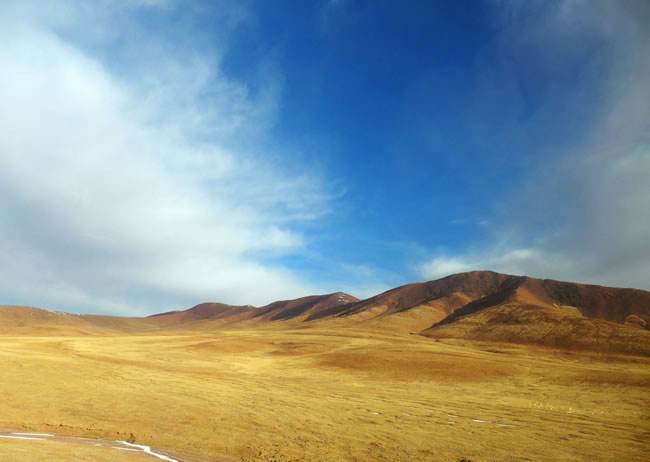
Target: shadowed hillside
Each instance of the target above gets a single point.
(554, 313)
(414, 307)
(552, 326)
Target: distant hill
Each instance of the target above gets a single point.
(477, 305)
(304, 308)
(203, 312)
(419, 305)
(24, 320)
(284, 310)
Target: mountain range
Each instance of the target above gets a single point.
(472, 306)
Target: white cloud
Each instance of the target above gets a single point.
(519, 261)
(443, 266)
(125, 192)
(584, 212)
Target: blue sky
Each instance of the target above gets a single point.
(157, 154)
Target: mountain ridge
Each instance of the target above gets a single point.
(475, 305)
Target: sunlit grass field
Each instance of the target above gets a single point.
(41, 451)
(323, 395)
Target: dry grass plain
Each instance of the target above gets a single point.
(319, 394)
(40, 451)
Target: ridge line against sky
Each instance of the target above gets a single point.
(156, 154)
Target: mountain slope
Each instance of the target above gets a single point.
(558, 327)
(305, 307)
(593, 301)
(413, 307)
(203, 312)
(283, 310)
(483, 305)
(450, 293)
(554, 313)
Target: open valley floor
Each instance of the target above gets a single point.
(289, 394)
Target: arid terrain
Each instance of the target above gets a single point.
(478, 366)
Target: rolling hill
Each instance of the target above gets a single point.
(25, 320)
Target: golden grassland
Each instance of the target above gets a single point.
(324, 394)
(41, 451)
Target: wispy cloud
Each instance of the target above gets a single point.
(580, 212)
(141, 189)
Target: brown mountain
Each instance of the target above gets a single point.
(284, 310)
(484, 305)
(434, 299)
(552, 313)
(477, 305)
(304, 308)
(203, 312)
(463, 293)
